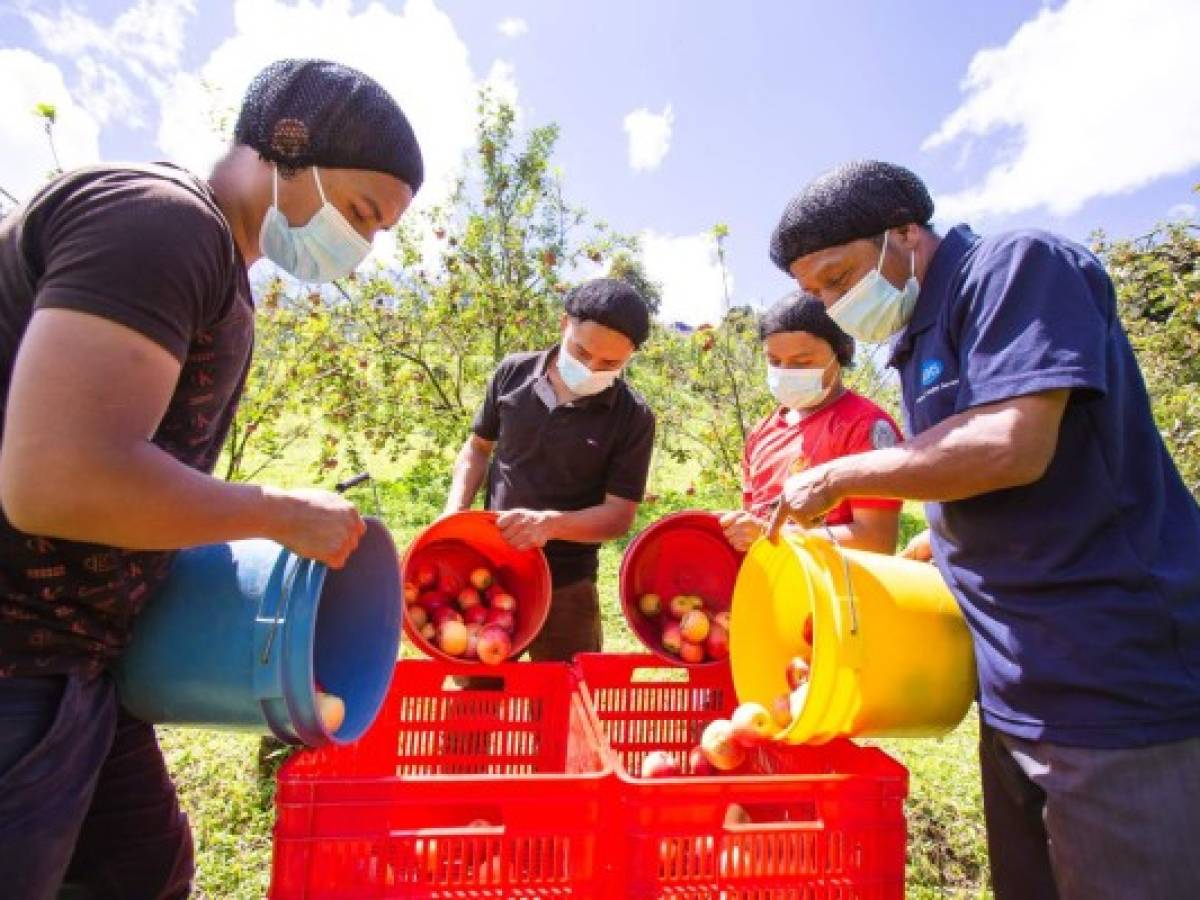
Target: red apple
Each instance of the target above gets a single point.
(475, 615)
(492, 591)
(494, 645)
(429, 632)
(434, 599)
(660, 764)
(501, 618)
(808, 630)
(752, 724)
(722, 619)
(449, 583)
(452, 637)
(679, 606)
(698, 763)
(331, 710)
(797, 672)
(418, 616)
(481, 579)
(781, 710)
(426, 577)
(444, 614)
(672, 640)
(412, 593)
(504, 601)
(691, 652)
(472, 650)
(650, 605)
(468, 597)
(720, 746)
(717, 642)
(694, 626)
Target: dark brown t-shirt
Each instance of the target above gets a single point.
(562, 456)
(148, 248)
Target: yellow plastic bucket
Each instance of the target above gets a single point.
(891, 654)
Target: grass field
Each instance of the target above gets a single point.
(229, 802)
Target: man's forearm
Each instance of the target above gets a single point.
(593, 525)
(137, 498)
(469, 471)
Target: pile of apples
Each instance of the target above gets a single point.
(725, 743)
(473, 617)
(689, 627)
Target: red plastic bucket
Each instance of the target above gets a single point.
(683, 553)
(467, 540)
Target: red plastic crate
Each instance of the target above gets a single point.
(452, 793)
(825, 822)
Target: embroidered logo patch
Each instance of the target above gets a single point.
(931, 371)
(882, 435)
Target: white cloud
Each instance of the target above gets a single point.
(690, 274)
(513, 27)
(25, 156)
(1182, 211)
(415, 53)
(1096, 98)
(501, 80)
(649, 137)
(116, 64)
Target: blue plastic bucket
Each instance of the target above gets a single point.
(241, 634)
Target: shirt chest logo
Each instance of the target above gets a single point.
(931, 371)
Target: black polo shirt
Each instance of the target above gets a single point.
(562, 456)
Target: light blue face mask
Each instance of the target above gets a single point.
(323, 249)
(799, 388)
(875, 309)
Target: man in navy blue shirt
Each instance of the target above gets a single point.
(1057, 518)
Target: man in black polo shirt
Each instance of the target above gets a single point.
(569, 444)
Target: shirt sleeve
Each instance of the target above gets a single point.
(631, 459)
(141, 251)
(1035, 319)
(487, 417)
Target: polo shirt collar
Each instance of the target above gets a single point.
(938, 277)
(606, 398)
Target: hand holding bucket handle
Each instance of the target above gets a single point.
(805, 498)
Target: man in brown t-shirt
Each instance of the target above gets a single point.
(126, 328)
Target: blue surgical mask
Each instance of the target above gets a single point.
(323, 249)
(799, 388)
(579, 379)
(875, 309)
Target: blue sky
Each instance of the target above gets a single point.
(675, 115)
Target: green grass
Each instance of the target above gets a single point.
(227, 789)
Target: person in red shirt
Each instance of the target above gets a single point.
(818, 419)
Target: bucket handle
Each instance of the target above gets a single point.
(852, 602)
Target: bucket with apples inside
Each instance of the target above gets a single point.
(469, 596)
(676, 585)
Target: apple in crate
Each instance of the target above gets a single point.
(698, 763)
(721, 747)
(722, 619)
(650, 605)
(473, 632)
(752, 724)
(717, 642)
(691, 652)
(426, 577)
(418, 616)
(494, 645)
(412, 593)
(781, 710)
(452, 637)
(672, 640)
(450, 583)
(660, 764)
(429, 632)
(444, 614)
(331, 710)
(481, 579)
(694, 626)
(476, 615)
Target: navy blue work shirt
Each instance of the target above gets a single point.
(1082, 590)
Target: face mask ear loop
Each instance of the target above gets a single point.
(913, 265)
(320, 190)
(882, 253)
(275, 185)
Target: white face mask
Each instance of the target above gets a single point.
(875, 309)
(579, 379)
(323, 249)
(799, 388)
